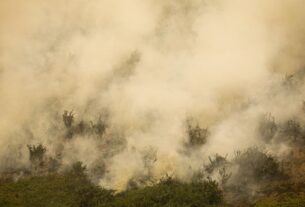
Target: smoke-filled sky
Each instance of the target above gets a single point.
(150, 65)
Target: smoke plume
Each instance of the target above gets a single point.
(146, 68)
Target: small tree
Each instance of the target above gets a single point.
(68, 118)
(197, 136)
(37, 155)
(36, 152)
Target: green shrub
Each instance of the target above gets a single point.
(52, 190)
(72, 190)
(171, 192)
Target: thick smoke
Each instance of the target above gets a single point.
(147, 67)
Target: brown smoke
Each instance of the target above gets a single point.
(151, 65)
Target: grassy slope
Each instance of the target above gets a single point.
(283, 200)
(77, 191)
(50, 191)
(73, 189)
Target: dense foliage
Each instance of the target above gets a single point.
(74, 189)
(170, 192)
(53, 190)
(242, 180)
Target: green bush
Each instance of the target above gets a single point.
(170, 192)
(72, 190)
(53, 190)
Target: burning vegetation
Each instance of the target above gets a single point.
(189, 103)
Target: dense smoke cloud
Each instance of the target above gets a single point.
(147, 67)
